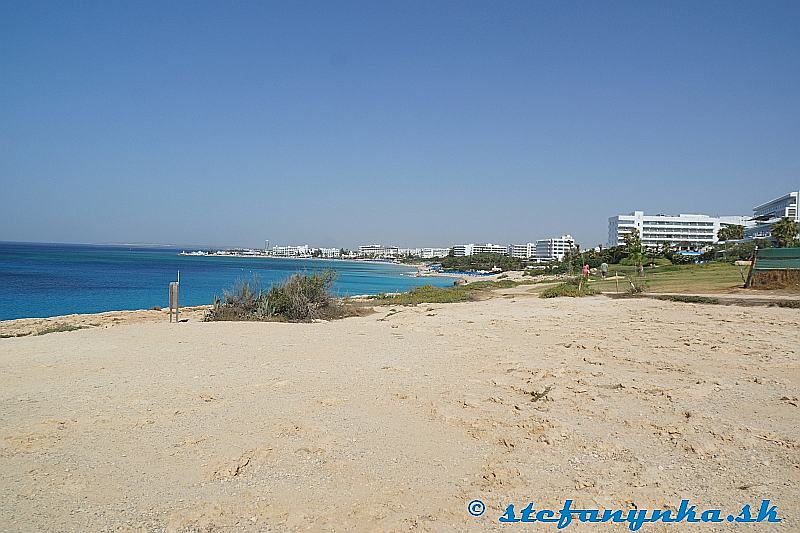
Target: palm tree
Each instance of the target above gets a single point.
(785, 232)
(730, 232)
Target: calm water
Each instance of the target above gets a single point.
(40, 280)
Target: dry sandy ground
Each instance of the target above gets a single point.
(394, 421)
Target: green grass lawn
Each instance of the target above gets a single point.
(708, 278)
(686, 279)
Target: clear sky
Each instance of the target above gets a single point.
(408, 123)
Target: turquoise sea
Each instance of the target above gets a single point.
(41, 280)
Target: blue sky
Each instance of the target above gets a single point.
(411, 123)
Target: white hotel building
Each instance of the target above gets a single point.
(767, 214)
(522, 251)
(330, 253)
(291, 251)
(554, 248)
(543, 249)
(462, 250)
(378, 250)
(430, 253)
(685, 231)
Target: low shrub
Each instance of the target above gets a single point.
(58, 328)
(300, 298)
(638, 287)
(438, 295)
(690, 299)
(14, 335)
(429, 294)
(501, 284)
(791, 304)
(570, 289)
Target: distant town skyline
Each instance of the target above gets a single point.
(271, 243)
(411, 124)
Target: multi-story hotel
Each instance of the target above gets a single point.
(410, 252)
(522, 251)
(462, 250)
(683, 231)
(329, 253)
(378, 250)
(543, 249)
(555, 248)
(489, 248)
(430, 253)
(291, 251)
(767, 214)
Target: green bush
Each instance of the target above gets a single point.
(428, 294)
(302, 297)
(569, 288)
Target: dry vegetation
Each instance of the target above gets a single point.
(457, 293)
(301, 298)
(570, 288)
(52, 328)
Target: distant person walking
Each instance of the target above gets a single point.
(604, 270)
(584, 277)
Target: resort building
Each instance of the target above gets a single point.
(489, 248)
(522, 251)
(684, 231)
(430, 253)
(767, 214)
(553, 249)
(378, 250)
(291, 251)
(330, 253)
(543, 249)
(409, 252)
(462, 250)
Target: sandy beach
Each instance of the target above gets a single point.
(394, 421)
